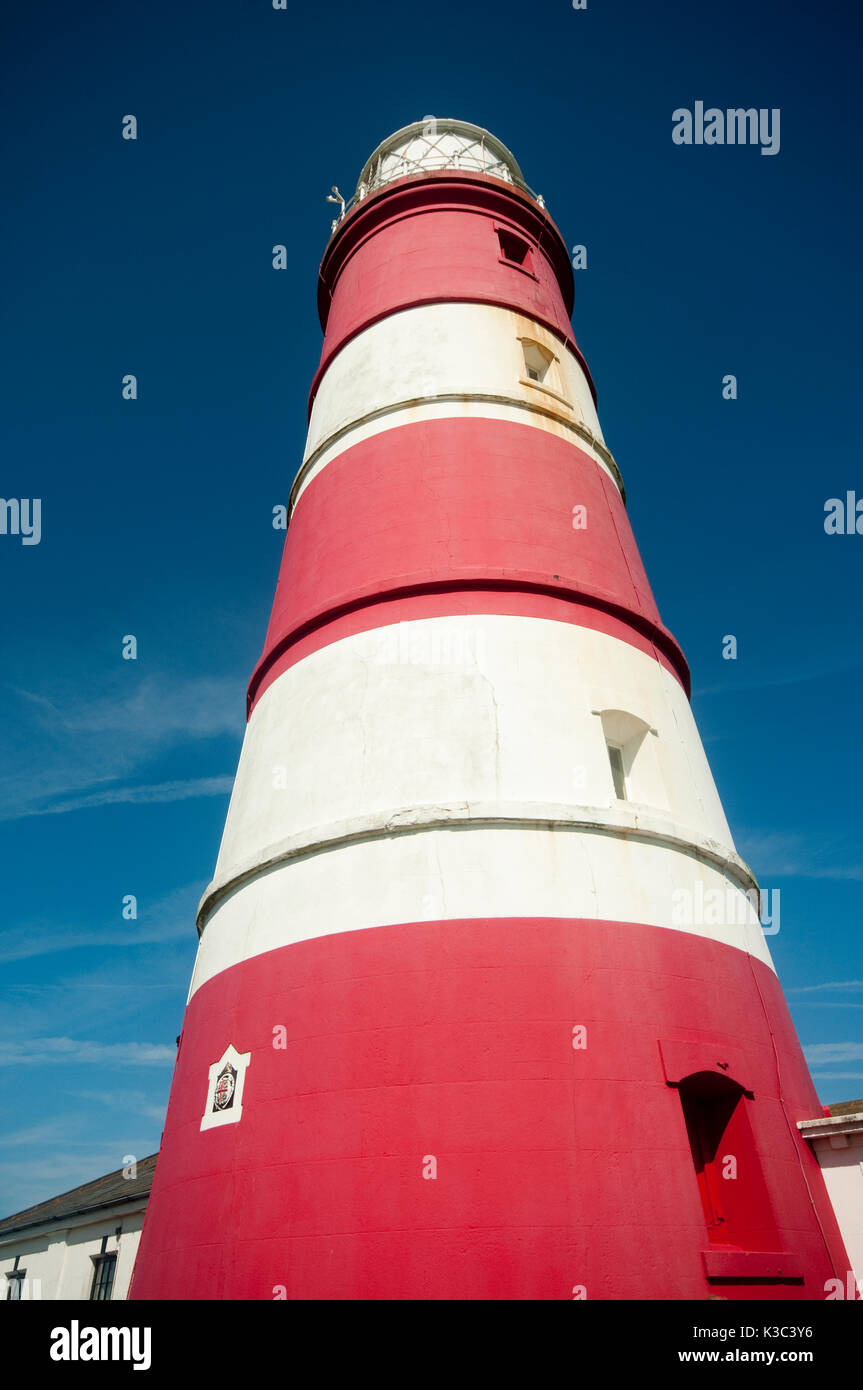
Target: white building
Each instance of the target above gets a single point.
(80, 1245)
(837, 1141)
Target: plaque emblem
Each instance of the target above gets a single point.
(223, 1096)
(225, 1084)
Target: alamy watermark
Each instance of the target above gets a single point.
(725, 907)
(409, 644)
(734, 126)
(21, 516)
(77, 1343)
(844, 515)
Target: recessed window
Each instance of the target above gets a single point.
(104, 1267)
(513, 248)
(631, 748)
(537, 361)
(618, 776)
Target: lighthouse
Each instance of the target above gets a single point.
(482, 1006)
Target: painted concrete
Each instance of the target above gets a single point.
(419, 1125)
(458, 351)
(477, 1024)
(437, 242)
(455, 503)
(463, 869)
(464, 709)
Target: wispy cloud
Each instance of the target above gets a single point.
(172, 918)
(49, 1132)
(63, 1161)
(821, 1054)
(852, 986)
(49, 1051)
(156, 710)
(828, 987)
(768, 681)
(137, 1102)
(785, 855)
(840, 1076)
(113, 796)
(91, 750)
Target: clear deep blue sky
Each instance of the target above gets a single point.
(154, 257)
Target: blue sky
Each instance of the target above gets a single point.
(154, 257)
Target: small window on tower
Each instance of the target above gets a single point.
(536, 361)
(629, 743)
(513, 249)
(615, 757)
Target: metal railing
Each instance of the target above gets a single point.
(416, 168)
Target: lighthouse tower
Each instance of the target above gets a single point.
(482, 1007)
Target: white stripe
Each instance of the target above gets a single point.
(481, 872)
(476, 709)
(460, 351)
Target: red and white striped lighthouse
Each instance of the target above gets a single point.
(482, 1007)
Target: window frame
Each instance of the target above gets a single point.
(15, 1280)
(525, 265)
(106, 1260)
(552, 371)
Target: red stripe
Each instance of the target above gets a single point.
(459, 504)
(435, 241)
(556, 1166)
(468, 602)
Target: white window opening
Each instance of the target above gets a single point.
(633, 768)
(618, 776)
(537, 361)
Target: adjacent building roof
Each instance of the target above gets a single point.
(90, 1196)
(846, 1107)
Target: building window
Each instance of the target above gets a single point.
(15, 1286)
(513, 249)
(537, 361)
(731, 1184)
(631, 746)
(615, 757)
(103, 1277)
